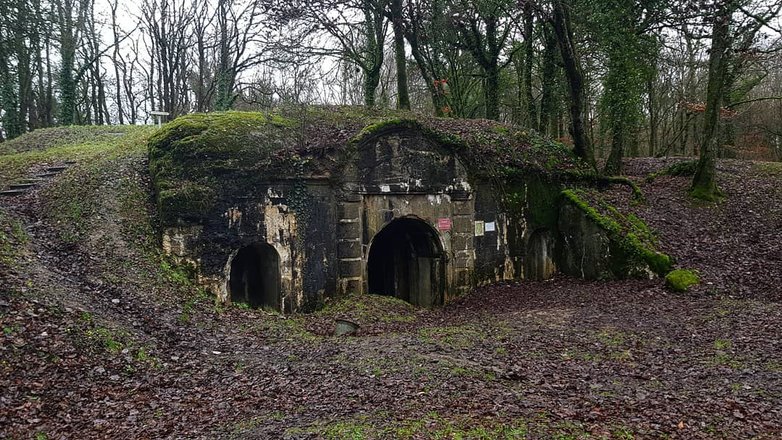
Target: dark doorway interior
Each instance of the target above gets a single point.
(406, 260)
(539, 260)
(255, 277)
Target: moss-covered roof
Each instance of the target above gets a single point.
(191, 154)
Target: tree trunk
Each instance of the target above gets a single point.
(575, 76)
(548, 85)
(371, 81)
(115, 59)
(529, 58)
(704, 184)
(653, 118)
(403, 94)
(492, 93)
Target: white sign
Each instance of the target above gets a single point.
(490, 227)
(479, 228)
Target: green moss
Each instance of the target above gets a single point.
(85, 149)
(591, 178)
(71, 201)
(368, 309)
(46, 138)
(680, 169)
(13, 238)
(681, 280)
(535, 197)
(630, 232)
(713, 195)
(190, 201)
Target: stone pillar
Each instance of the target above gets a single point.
(349, 249)
(463, 244)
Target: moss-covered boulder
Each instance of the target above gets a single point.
(681, 280)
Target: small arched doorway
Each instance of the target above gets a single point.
(406, 260)
(255, 277)
(539, 261)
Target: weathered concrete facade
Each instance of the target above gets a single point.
(327, 231)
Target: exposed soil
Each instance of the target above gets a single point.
(102, 339)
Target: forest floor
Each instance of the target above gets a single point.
(103, 338)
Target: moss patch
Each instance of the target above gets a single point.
(13, 238)
(681, 280)
(631, 233)
(679, 169)
(707, 195)
(367, 309)
(46, 138)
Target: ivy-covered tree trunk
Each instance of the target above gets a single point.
(492, 93)
(622, 103)
(529, 59)
(372, 60)
(371, 81)
(704, 184)
(67, 27)
(403, 95)
(575, 77)
(67, 88)
(225, 80)
(619, 37)
(548, 83)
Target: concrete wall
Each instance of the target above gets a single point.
(323, 228)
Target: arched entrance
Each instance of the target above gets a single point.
(406, 260)
(539, 260)
(255, 277)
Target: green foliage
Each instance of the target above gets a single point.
(680, 280)
(630, 232)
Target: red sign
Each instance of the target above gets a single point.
(444, 224)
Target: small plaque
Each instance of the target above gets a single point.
(490, 227)
(479, 228)
(444, 224)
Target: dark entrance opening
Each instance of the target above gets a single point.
(406, 260)
(255, 277)
(539, 260)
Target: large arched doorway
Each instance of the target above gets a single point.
(406, 260)
(255, 277)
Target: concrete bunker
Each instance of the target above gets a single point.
(255, 277)
(406, 260)
(345, 201)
